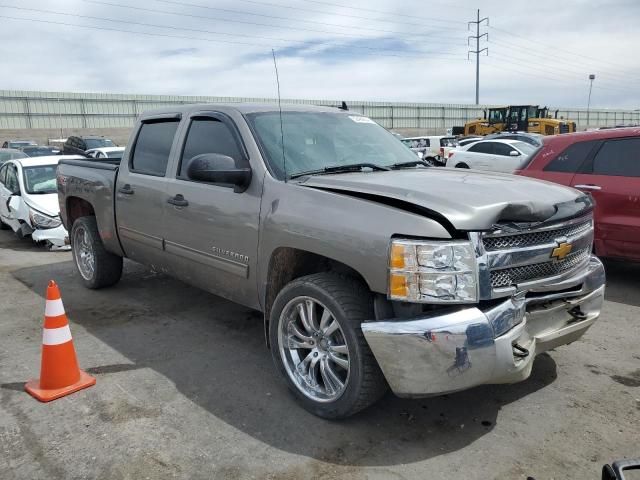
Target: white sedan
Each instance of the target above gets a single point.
(29, 199)
(495, 155)
(114, 153)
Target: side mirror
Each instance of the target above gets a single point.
(217, 168)
(514, 153)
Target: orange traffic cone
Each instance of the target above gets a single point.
(59, 372)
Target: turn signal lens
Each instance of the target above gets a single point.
(396, 259)
(398, 286)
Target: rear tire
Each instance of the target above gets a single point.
(462, 165)
(326, 361)
(97, 267)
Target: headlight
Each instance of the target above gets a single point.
(433, 272)
(40, 220)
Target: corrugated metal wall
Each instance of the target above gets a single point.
(25, 109)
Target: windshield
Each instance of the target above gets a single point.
(4, 156)
(40, 180)
(313, 141)
(98, 143)
(524, 147)
(19, 144)
(40, 151)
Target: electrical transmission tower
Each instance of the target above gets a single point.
(478, 51)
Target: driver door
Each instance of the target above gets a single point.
(8, 190)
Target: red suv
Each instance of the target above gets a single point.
(605, 163)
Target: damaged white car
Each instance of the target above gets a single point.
(29, 200)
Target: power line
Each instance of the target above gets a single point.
(430, 19)
(547, 57)
(183, 37)
(288, 27)
(171, 27)
(568, 52)
(301, 9)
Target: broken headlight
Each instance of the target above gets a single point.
(433, 272)
(40, 220)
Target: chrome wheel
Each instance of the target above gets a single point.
(83, 253)
(313, 349)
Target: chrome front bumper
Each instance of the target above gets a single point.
(432, 355)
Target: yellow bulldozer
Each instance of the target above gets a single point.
(519, 118)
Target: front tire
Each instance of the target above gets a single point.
(97, 267)
(318, 347)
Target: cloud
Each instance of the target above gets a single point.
(538, 52)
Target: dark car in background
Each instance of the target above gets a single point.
(605, 163)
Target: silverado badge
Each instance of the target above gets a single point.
(562, 250)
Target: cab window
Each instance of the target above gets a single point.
(153, 146)
(209, 135)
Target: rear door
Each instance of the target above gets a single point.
(211, 235)
(140, 191)
(613, 178)
(4, 192)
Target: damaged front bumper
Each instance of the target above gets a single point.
(437, 354)
(57, 237)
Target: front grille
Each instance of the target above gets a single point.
(514, 275)
(522, 240)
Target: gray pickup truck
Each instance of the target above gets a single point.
(372, 269)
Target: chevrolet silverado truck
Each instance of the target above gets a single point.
(372, 269)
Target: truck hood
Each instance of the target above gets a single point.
(468, 200)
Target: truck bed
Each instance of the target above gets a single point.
(87, 187)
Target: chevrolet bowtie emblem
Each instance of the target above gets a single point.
(562, 250)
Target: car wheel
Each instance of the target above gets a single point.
(318, 346)
(462, 165)
(97, 267)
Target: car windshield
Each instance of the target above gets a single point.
(525, 148)
(20, 144)
(316, 140)
(98, 143)
(40, 151)
(4, 156)
(40, 179)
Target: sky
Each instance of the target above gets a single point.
(539, 52)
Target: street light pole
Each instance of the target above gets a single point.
(592, 77)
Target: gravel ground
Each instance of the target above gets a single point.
(185, 389)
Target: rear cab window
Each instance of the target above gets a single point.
(153, 146)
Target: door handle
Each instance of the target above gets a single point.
(126, 189)
(588, 186)
(178, 201)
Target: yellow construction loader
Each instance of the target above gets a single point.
(519, 118)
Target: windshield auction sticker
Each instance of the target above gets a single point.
(359, 119)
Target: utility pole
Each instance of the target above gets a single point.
(478, 51)
(592, 77)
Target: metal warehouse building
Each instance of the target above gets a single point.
(43, 115)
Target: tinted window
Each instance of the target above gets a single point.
(482, 147)
(503, 149)
(618, 157)
(571, 158)
(151, 152)
(209, 136)
(98, 143)
(3, 173)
